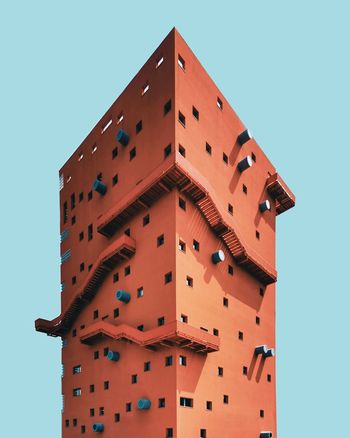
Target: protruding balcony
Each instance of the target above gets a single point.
(244, 137)
(245, 164)
(143, 404)
(99, 187)
(98, 427)
(174, 333)
(280, 192)
(265, 206)
(265, 434)
(218, 257)
(122, 137)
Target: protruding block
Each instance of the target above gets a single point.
(270, 352)
(99, 187)
(260, 349)
(265, 434)
(122, 137)
(245, 164)
(98, 427)
(244, 137)
(123, 296)
(218, 256)
(143, 404)
(265, 206)
(113, 356)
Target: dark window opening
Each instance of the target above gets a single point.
(230, 269)
(128, 407)
(195, 245)
(182, 204)
(167, 151)
(147, 366)
(146, 220)
(220, 372)
(219, 103)
(106, 385)
(209, 405)
(160, 240)
(245, 370)
(74, 280)
(116, 417)
(133, 379)
(168, 277)
(81, 196)
(115, 313)
(182, 150)
(187, 402)
(92, 412)
(96, 354)
(92, 388)
(240, 336)
(74, 219)
(182, 119)
(127, 271)
(72, 201)
(90, 195)
(182, 246)
(132, 153)
(230, 208)
(168, 361)
(90, 232)
(161, 403)
(161, 320)
(115, 153)
(181, 62)
(208, 148)
(195, 112)
(189, 281)
(225, 158)
(225, 301)
(257, 234)
(138, 127)
(116, 277)
(245, 189)
(167, 107)
(95, 314)
(225, 399)
(115, 180)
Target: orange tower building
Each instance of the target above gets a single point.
(168, 273)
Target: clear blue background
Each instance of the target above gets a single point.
(284, 66)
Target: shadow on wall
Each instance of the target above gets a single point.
(252, 367)
(198, 229)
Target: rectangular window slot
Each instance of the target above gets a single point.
(182, 246)
(245, 370)
(138, 127)
(230, 208)
(219, 103)
(168, 361)
(146, 220)
(182, 119)
(189, 281)
(81, 236)
(159, 61)
(133, 379)
(195, 245)
(183, 361)
(106, 126)
(225, 399)
(76, 392)
(120, 118)
(181, 62)
(161, 320)
(147, 366)
(127, 271)
(77, 369)
(167, 151)
(140, 292)
(230, 269)
(225, 158)
(195, 112)
(94, 148)
(184, 318)
(161, 402)
(115, 180)
(167, 107)
(186, 402)
(132, 154)
(144, 89)
(81, 156)
(209, 406)
(61, 181)
(240, 336)
(160, 240)
(182, 204)
(168, 277)
(182, 150)
(114, 152)
(208, 148)
(225, 301)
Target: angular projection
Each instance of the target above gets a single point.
(168, 214)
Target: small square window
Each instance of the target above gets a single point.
(115, 180)
(132, 153)
(82, 267)
(127, 271)
(261, 291)
(92, 412)
(182, 204)
(81, 196)
(115, 152)
(168, 361)
(95, 314)
(182, 119)
(167, 107)
(230, 269)
(133, 379)
(189, 281)
(253, 156)
(83, 429)
(140, 292)
(76, 392)
(195, 112)
(146, 220)
(161, 320)
(183, 361)
(120, 118)
(269, 378)
(182, 150)
(115, 313)
(187, 402)
(106, 385)
(220, 372)
(219, 103)
(81, 236)
(262, 413)
(257, 234)
(225, 301)
(182, 246)
(181, 62)
(74, 280)
(117, 417)
(169, 433)
(138, 127)
(74, 220)
(74, 333)
(257, 320)
(203, 433)
(208, 148)
(244, 189)
(195, 245)
(184, 318)
(225, 399)
(92, 388)
(167, 151)
(101, 410)
(77, 369)
(147, 366)
(209, 405)
(225, 158)
(161, 403)
(168, 277)
(96, 354)
(215, 332)
(160, 240)
(67, 423)
(116, 277)
(128, 407)
(245, 370)
(90, 195)
(141, 327)
(240, 336)
(230, 208)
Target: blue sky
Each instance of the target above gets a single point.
(284, 67)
